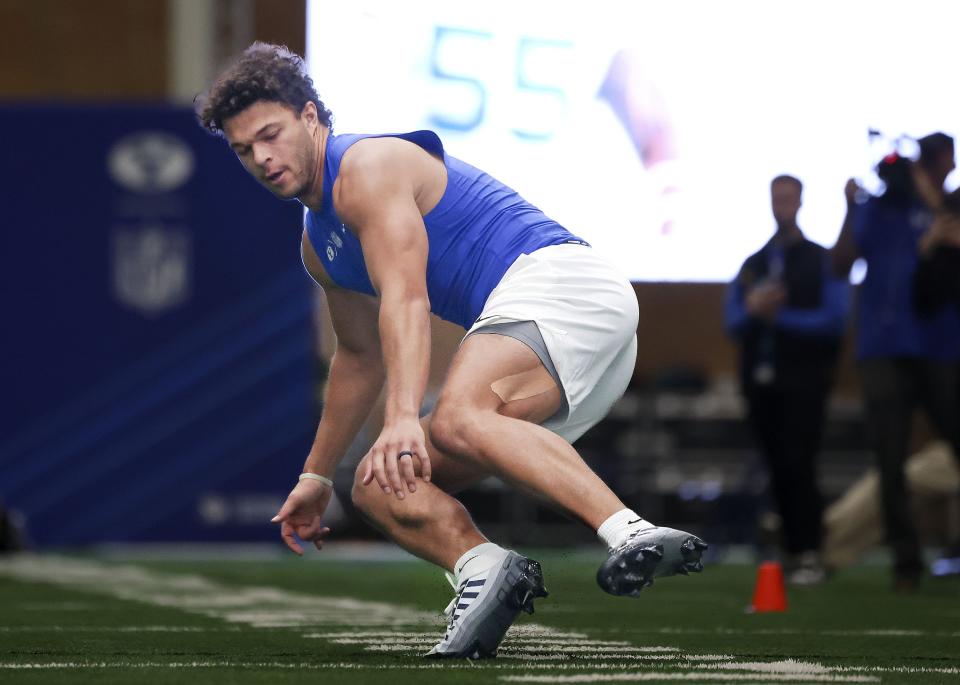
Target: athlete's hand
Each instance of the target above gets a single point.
(390, 460)
(300, 515)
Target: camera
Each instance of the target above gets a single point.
(895, 172)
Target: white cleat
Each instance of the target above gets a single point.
(649, 554)
(485, 607)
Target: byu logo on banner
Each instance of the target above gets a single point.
(150, 162)
(151, 268)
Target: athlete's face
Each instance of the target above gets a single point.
(275, 145)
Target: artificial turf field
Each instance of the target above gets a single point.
(333, 620)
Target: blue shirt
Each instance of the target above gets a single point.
(826, 319)
(887, 237)
(799, 348)
(477, 230)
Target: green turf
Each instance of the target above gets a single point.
(852, 621)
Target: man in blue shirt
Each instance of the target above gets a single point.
(788, 313)
(906, 358)
(396, 229)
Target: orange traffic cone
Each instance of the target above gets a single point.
(769, 593)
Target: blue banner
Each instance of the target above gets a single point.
(157, 368)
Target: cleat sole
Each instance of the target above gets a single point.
(656, 553)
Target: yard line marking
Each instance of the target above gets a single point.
(781, 666)
(407, 642)
(535, 630)
(425, 638)
(453, 665)
(506, 649)
(951, 670)
(365, 633)
(527, 658)
(313, 665)
(886, 632)
(118, 629)
(604, 649)
(517, 632)
(256, 606)
(731, 677)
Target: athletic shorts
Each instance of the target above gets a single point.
(586, 312)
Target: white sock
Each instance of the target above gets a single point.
(618, 527)
(477, 560)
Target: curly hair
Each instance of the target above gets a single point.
(263, 72)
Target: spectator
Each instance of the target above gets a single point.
(937, 279)
(788, 311)
(905, 359)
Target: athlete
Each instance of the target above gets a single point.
(395, 229)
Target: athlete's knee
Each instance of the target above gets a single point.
(381, 507)
(454, 428)
(363, 496)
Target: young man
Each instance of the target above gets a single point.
(396, 229)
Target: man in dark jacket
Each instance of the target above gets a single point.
(788, 313)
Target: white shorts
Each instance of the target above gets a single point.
(587, 313)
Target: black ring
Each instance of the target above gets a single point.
(405, 453)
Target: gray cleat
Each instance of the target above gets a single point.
(486, 606)
(649, 554)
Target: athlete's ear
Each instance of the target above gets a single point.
(309, 114)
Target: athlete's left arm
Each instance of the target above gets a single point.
(375, 195)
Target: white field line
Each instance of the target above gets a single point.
(596, 658)
(117, 629)
(506, 649)
(314, 665)
(524, 631)
(713, 677)
(400, 642)
(782, 666)
(527, 634)
(886, 632)
(255, 606)
(444, 665)
(535, 630)
(558, 655)
(511, 642)
(604, 649)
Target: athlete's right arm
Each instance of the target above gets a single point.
(356, 378)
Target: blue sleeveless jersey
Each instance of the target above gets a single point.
(476, 231)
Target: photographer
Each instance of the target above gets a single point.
(905, 359)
